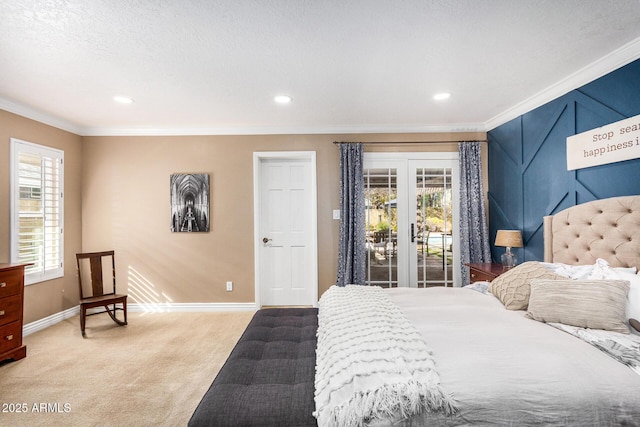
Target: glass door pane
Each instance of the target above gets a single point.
(411, 213)
(381, 204)
(432, 225)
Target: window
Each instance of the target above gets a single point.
(37, 210)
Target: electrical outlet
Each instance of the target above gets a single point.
(229, 286)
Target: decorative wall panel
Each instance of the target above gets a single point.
(528, 176)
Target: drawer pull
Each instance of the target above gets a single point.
(8, 337)
(1, 312)
(3, 285)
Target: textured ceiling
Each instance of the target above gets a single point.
(213, 66)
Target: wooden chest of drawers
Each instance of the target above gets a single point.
(11, 309)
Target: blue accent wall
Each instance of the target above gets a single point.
(528, 176)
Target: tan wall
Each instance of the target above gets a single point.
(53, 296)
(117, 196)
(126, 207)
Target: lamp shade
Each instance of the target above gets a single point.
(509, 238)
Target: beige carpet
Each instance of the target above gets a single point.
(152, 372)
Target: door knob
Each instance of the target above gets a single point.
(265, 240)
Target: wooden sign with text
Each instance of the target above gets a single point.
(608, 144)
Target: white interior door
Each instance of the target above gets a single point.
(286, 237)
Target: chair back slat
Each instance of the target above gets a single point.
(97, 286)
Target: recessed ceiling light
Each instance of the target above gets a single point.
(441, 96)
(283, 99)
(123, 99)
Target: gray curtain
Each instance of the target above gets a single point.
(474, 231)
(351, 250)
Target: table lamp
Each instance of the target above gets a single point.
(509, 239)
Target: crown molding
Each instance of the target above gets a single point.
(39, 116)
(285, 130)
(611, 62)
(58, 123)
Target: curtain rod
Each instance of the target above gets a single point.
(409, 142)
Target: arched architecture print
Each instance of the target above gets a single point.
(189, 202)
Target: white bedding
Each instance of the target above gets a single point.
(371, 361)
(505, 369)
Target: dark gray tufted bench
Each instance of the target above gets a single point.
(268, 379)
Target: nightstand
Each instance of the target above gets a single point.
(485, 271)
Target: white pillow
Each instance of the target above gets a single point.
(602, 270)
(594, 271)
(633, 298)
(576, 272)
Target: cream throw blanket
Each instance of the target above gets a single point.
(371, 361)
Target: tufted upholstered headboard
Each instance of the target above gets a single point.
(606, 228)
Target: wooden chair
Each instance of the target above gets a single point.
(100, 294)
(380, 241)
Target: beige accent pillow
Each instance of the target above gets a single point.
(512, 287)
(594, 304)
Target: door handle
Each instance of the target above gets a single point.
(413, 236)
(265, 240)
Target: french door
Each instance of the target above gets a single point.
(411, 204)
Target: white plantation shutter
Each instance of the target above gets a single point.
(37, 210)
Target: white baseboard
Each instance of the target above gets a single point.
(41, 324)
(38, 325)
(194, 307)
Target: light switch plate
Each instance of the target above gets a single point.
(336, 214)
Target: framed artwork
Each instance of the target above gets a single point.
(189, 202)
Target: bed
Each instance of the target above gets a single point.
(493, 354)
